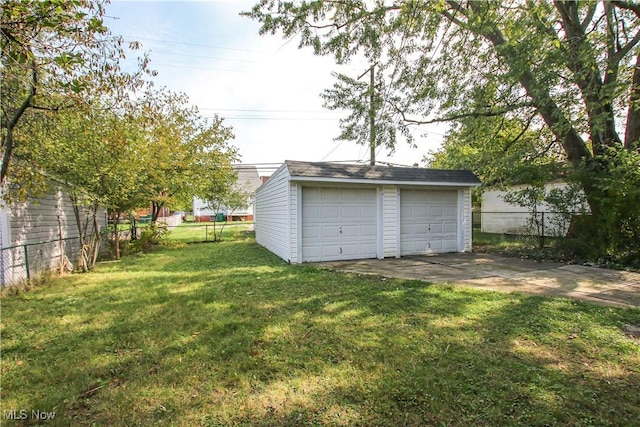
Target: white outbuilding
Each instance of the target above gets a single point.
(330, 211)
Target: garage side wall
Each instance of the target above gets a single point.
(295, 201)
(272, 214)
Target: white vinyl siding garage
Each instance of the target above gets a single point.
(338, 223)
(272, 223)
(310, 212)
(428, 221)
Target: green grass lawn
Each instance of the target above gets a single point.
(204, 232)
(228, 334)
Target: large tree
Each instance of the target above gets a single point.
(573, 67)
(185, 151)
(56, 54)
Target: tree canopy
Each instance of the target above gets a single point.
(56, 54)
(72, 114)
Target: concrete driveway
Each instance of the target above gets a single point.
(493, 272)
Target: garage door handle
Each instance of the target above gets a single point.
(340, 251)
(340, 230)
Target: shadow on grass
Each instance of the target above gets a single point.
(229, 334)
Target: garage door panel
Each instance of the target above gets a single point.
(311, 212)
(450, 212)
(420, 212)
(312, 253)
(350, 231)
(436, 228)
(349, 194)
(311, 231)
(349, 212)
(329, 211)
(330, 231)
(330, 195)
(369, 230)
(350, 250)
(436, 212)
(330, 251)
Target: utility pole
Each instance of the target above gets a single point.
(372, 114)
(372, 118)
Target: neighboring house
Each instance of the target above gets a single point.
(249, 181)
(329, 211)
(172, 219)
(498, 216)
(38, 236)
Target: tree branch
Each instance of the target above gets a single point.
(633, 7)
(454, 117)
(11, 124)
(589, 16)
(520, 135)
(57, 108)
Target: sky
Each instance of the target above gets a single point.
(265, 87)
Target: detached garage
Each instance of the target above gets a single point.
(329, 211)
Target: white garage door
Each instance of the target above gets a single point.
(338, 223)
(428, 221)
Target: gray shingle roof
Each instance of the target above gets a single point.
(379, 173)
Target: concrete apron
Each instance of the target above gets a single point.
(497, 273)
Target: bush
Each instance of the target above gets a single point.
(148, 238)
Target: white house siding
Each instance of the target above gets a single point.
(390, 221)
(40, 224)
(467, 225)
(248, 180)
(295, 199)
(498, 216)
(272, 215)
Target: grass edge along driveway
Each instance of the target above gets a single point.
(228, 334)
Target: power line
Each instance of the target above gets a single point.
(294, 119)
(265, 111)
(334, 149)
(191, 44)
(152, 64)
(201, 56)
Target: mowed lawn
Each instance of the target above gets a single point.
(228, 334)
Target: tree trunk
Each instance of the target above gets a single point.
(632, 135)
(116, 231)
(573, 144)
(156, 207)
(96, 240)
(7, 140)
(82, 261)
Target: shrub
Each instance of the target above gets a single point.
(149, 237)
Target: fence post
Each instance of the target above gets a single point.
(542, 234)
(134, 230)
(206, 232)
(26, 261)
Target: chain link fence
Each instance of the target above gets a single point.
(534, 228)
(194, 233)
(22, 263)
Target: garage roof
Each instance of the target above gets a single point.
(340, 171)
